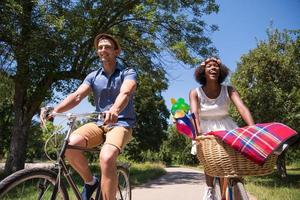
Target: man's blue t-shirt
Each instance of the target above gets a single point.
(106, 89)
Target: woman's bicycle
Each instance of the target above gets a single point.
(43, 183)
(222, 161)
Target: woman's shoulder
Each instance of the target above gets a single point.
(229, 88)
(193, 91)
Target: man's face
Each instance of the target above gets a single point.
(106, 50)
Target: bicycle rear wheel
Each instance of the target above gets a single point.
(124, 187)
(31, 184)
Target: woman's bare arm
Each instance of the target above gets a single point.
(194, 103)
(241, 107)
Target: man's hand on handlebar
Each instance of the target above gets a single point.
(46, 115)
(111, 117)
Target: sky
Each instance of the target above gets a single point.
(242, 23)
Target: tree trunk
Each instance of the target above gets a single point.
(17, 151)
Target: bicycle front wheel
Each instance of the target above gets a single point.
(217, 189)
(242, 191)
(124, 187)
(31, 184)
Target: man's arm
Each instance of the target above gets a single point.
(127, 89)
(73, 99)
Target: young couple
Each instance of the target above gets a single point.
(113, 87)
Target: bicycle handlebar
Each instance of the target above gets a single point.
(48, 114)
(98, 115)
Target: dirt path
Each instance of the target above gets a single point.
(177, 184)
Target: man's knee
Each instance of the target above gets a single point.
(108, 155)
(77, 140)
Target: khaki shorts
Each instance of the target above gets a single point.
(94, 135)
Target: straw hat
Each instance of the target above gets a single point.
(104, 35)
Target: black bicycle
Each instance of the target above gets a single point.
(50, 183)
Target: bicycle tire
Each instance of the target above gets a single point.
(217, 189)
(124, 186)
(242, 191)
(35, 183)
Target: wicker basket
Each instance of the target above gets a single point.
(219, 159)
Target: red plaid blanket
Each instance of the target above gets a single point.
(256, 142)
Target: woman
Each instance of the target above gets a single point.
(210, 103)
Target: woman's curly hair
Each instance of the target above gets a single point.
(200, 71)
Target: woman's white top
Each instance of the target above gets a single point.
(213, 113)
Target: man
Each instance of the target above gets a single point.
(113, 87)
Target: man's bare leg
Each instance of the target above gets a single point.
(108, 158)
(77, 159)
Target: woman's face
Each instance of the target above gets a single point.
(212, 70)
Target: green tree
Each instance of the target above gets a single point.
(47, 46)
(268, 80)
(152, 114)
(176, 149)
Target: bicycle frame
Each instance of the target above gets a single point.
(60, 162)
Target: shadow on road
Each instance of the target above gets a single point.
(175, 177)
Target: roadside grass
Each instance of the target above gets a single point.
(195, 167)
(275, 188)
(143, 172)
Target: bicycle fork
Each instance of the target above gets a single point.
(236, 190)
